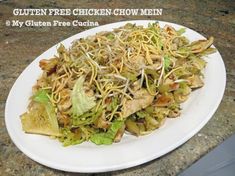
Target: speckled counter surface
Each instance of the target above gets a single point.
(20, 46)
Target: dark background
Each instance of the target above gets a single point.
(20, 46)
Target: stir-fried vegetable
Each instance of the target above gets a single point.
(107, 137)
(41, 117)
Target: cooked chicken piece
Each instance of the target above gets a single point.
(172, 85)
(201, 45)
(48, 65)
(65, 101)
(141, 100)
(195, 81)
(102, 122)
(119, 134)
(174, 114)
(60, 70)
(164, 100)
(63, 119)
(64, 104)
(170, 30)
(41, 82)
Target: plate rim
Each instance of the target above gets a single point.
(125, 165)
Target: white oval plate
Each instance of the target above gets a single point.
(131, 151)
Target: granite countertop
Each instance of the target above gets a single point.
(20, 46)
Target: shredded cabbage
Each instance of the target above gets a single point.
(107, 137)
(81, 103)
